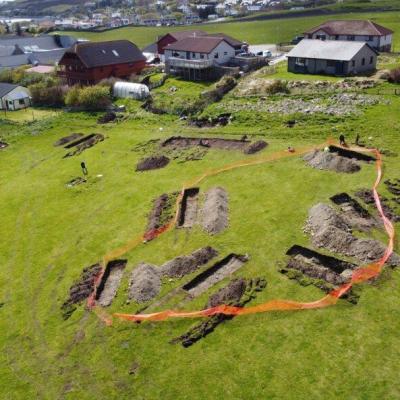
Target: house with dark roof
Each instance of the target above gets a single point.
(14, 97)
(89, 63)
(172, 37)
(332, 57)
(377, 36)
(195, 57)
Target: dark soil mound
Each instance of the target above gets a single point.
(161, 213)
(178, 142)
(145, 283)
(255, 147)
(367, 196)
(153, 162)
(83, 144)
(326, 160)
(321, 215)
(183, 265)
(215, 211)
(107, 117)
(3, 145)
(237, 293)
(221, 120)
(67, 139)
(81, 289)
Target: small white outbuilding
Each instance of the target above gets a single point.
(131, 90)
(14, 97)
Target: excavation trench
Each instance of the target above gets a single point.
(319, 266)
(82, 144)
(110, 282)
(153, 162)
(3, 145)
(214, 274)
(351, 154)
(68, 139)
(179, 142)
(187, 216)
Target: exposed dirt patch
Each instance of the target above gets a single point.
(3, 145)
(81, 289)
(67, 139)
(107, 117)
(83, 144)
(183, 265)
(76, 181)
(393, 186)
(255, 147)
(322, 215)
(110, 282)
(188, 208)
(237, 293)
(367, 196)
(353, 213)
(214, 274)
(326, 160)
(317, 265)
(215, 211)
(153, 162)
(161, 212)
(145, 283)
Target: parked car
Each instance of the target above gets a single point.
(265, 53)
(246, 55)
(297, 39)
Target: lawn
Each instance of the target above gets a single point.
(51, 232)
(254, 32)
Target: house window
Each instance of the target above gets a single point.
(175, 54)
(300, 61)
(225, 53)
(336, 37)
(363, 61)
(21, 102)
(202, 56)
(321, 37)
(350, 37)
(193, 54)
(353, 63)
(330, 63)
(370, 38)
(371, 60)
(216, 55)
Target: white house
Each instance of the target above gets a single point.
(377, 36)
(14, 97)
(312, 56)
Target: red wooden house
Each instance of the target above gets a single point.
(89, 63)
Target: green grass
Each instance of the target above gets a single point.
(50, 233)
(254, 32)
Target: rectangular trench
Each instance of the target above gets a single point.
(188, 208)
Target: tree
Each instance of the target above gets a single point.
(18, 29)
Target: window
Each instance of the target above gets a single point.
(225, 53)
(336, 37)
(350, 37)
(175, 54)
(115, 52)
(193, 54)
(370, 38)
(363, 61)
(330, 63)
(216, 55)
(371, 60)
(21, 102)
(201, 56)
(300, 61)
(321, 37)
(353, 63)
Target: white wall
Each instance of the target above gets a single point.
(11, 100)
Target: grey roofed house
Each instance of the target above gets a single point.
(14, 97)
(13, 50)
(332, 57)
(51, 57)
(14, 61)
(39, 43)
(6, 88)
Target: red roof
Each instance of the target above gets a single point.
(351, 27)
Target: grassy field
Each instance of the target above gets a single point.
(254, 32)
(51, 232)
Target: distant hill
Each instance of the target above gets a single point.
(35, 7)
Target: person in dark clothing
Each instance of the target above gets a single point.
(84, 169)
(342, 140)
(357, 139)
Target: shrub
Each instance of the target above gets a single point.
(277, 86)
(47, 96)
(6, 76)
(93, 98)
(394, 76)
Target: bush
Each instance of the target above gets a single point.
(394, 76)
(93, 98)
(47, 96)
(6, 76)
(277, 86)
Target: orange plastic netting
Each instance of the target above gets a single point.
(361, 274)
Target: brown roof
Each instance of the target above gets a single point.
(203, 44)
(352, 27)
(97, 54)
(229, 39)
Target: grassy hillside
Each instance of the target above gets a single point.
(51, 232)
(255, 32)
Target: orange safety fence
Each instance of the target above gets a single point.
(361, 274)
